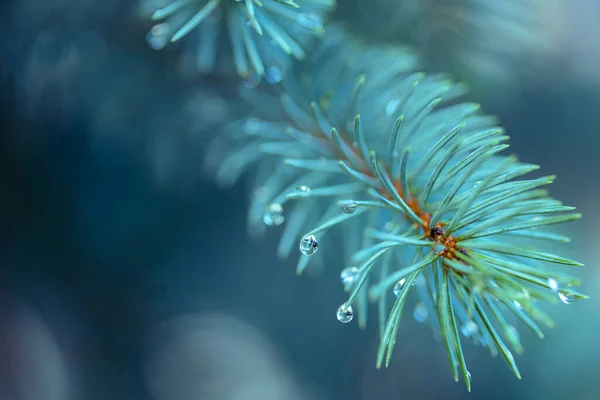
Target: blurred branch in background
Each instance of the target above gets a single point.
(101, 201)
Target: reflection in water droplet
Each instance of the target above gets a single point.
(567, 298)
(347, 275)
(345, 313)
(398, 287)
(469, 329)
(274, 215)
(309, 245)
(420, 312)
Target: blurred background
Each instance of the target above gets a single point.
(125, 273)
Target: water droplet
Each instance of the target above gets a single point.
(420, 312)
(157, 37)
(252, 80)
(398, 287)
(553, 284)
(310, 21)
(348, 208)
(274, 215)
(309, 245)
(303, 189)
(273, 75)
(468, 375)
(469, 329)
(391, 106)
(388, 226)
(345, 313)
(477, 184)
(567, 298)
(347, 275)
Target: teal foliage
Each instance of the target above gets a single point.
(262, 35)
(417, 184)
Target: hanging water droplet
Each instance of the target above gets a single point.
(567, 298)
(273, 75)
(468, 375)
(398, 287)
(303, 189)
(553, 284)
(420, 312)
(391, 106)
(274, 215)
(309, 245)
(348, 208)
(252, 80)
(345, 313)
(469, 329)
(347, 275)
(157, 37)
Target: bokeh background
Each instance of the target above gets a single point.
(126, 273)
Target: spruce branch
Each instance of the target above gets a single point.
(418, 182)
(263, 34)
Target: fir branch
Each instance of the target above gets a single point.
(263, 34)
(423, 185)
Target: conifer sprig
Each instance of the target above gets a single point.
(425, 195)
(263, 34)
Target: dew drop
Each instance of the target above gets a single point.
(398, 287)
(553, 284)
(274, 215)
(420, 312)
(303, 189)
(345, 313)
(252, 80)
(388, 226)
(477, 184)
(273, 75)
(347, 275)
(391, 106)
(348, 208)
(567, 298)
(157, 37)
(469, 329)
(468, 375)
(309, 245)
